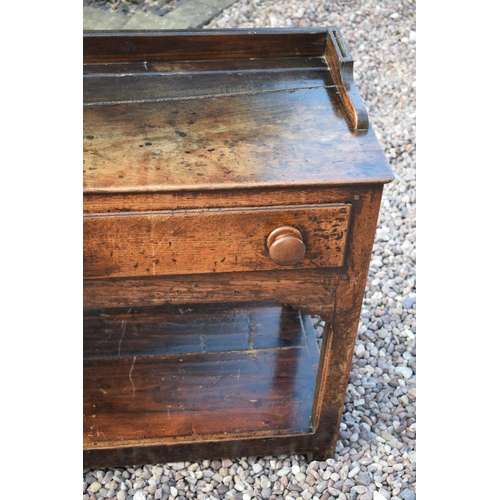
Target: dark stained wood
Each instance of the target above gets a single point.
(209, 241)
(132, 46)
(197, 394)
(287, 321)
(148, 331)
(197, 145)
(200, 67)
(143, 396)
(312, 344)
(342, 64)
(121, 453)
(203, 80)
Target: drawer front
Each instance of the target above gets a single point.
(208, 241)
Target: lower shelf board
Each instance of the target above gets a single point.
(266, 385)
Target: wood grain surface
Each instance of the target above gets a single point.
(311, 290)
(202, 393)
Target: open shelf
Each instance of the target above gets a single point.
(165, 373)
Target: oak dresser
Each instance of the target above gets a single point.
(232, 185)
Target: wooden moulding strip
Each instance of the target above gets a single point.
(341, 65)
(113, 203)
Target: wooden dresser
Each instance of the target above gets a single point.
(232, 184)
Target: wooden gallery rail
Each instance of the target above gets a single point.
(232, 185)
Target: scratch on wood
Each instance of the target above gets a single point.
(207, 96)
(97, 344)
(130, 377)
(217, 380)
(251, 334)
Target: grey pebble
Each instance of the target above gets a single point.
(266, 493)
(382, 333)
(363, 478)
(407, 494)
(107, 478)
(353, 472)
(321, 486)
(239, 486)
(408, 302)
(405, 371)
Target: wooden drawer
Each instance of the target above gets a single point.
(208, 241)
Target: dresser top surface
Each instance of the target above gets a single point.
(224, 121)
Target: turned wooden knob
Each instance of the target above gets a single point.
(286, 246)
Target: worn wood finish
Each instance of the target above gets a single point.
(197, 145)
(294, 287)
(113, 203)
(340, 334)
(209, 241)
(251, 140)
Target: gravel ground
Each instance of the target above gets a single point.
(376, 453)
(129, 7)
